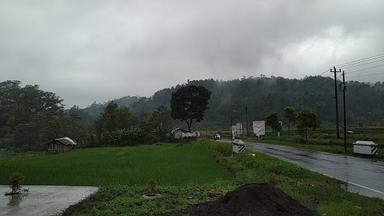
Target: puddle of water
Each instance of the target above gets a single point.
(42, 200)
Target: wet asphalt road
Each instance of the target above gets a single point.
(363, 176)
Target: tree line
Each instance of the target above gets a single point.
(263, 94)
(306, 121)
(30, 118)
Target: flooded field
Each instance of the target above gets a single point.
(42, 200)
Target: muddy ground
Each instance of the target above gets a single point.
(250, 200)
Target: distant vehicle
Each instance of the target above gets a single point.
(216, 137)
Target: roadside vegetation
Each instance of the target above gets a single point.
(308, 134)
(326, 141)
(185, 174)
(321, 194)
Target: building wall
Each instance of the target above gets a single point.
(55, 147)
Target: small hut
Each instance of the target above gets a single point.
(61, 145)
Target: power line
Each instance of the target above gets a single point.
(322, 73)
(366, 68)
(365, 63)
(355, 64)
(364, 75)
(361, 60)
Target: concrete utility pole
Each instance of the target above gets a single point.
(345, 115)
(246, 120)
(336, 99)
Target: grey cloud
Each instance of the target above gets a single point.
(89, 51)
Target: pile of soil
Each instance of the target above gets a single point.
(249, 200)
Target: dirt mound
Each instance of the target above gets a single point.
(251, 199)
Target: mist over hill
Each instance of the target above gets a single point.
(91, 112)
(254, 98)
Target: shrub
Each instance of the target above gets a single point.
(125, 137)
(223, 148)
(247, 160)
(272, 179)
(15, 180)
(291, 172)
(151, 190)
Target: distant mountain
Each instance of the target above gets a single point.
(91, 112)
(254, 98)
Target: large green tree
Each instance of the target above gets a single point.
(188, 104)
(307, 121)
(272, 121)
(113, 118)
(30, 117)
(161, 121)
(290, 114)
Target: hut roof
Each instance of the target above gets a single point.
(65, 141)
(178, 129)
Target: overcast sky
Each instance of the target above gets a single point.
(93, 50)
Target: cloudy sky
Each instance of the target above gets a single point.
(94, 50)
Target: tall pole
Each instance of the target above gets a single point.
(241, 121)
(345, 115)
(230, 127)
(336, 100)
(246, 120)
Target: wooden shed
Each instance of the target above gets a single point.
(61, 145)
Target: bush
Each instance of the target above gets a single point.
(294, 172)
(247, 160)
(151, 187)
(272, 179)
(224, 148)
(15, 180)
(124, 137)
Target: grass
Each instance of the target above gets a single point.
(12, 155)
(168, 164)
(128, 200)
(187, 174)
(321, 194)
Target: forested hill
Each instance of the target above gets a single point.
(263, 95)
(90, 113)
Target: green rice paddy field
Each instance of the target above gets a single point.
(168, 164)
